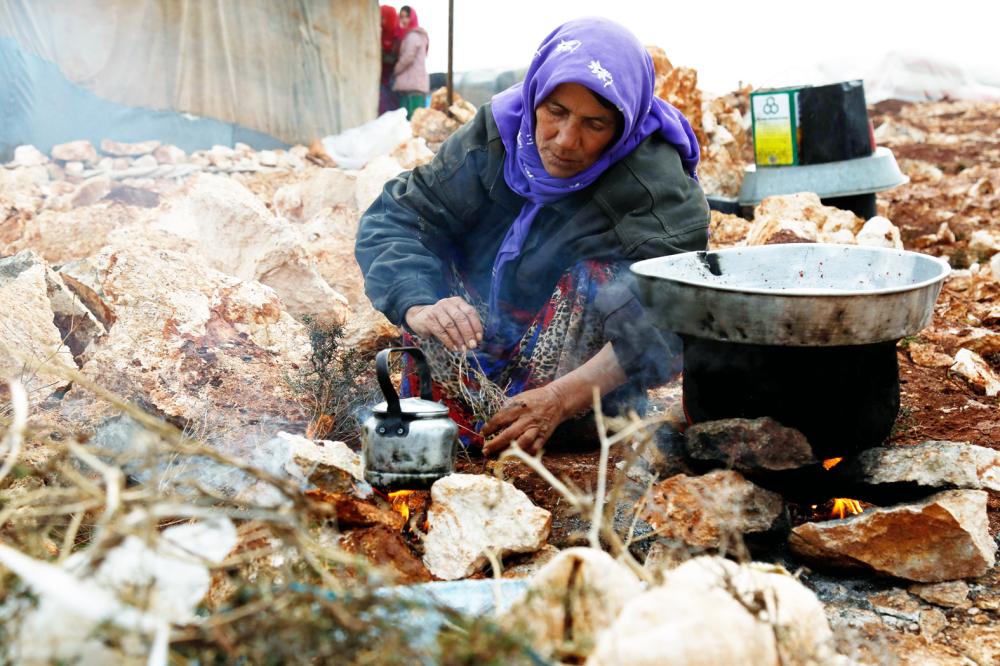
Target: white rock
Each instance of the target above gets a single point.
(190, 342)
(713, 611)
(995, 267)
(169, 154)
(768, 230)
(977, 371)
(267, 158)
(91, 191)
(74, 169)
(880, 232)
(412, 153)
(310, 455)
(78, 603)
(145, 162)
(291, 161)
(570, 601)
(236, 234)
(931, 464)
(373, 178)
(985, 242)
(119, 149)
(75, 151)
(838, 237)
(471, 514)
(29, 337)
(29, 156)
(325, 189)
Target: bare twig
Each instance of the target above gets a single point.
(594, 536)
(14, 439)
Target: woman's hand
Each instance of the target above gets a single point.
(529, 419)
(452, 321)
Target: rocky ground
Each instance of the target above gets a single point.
(201, 287)
(950, 208)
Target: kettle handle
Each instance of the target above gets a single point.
(385, 383)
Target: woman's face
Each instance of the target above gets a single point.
(572, 129)
(404, 19)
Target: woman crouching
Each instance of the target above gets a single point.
(506, 258)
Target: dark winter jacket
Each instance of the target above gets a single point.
(458, 208)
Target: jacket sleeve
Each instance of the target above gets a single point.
(657, 210)
(406, 239)
(407, 53)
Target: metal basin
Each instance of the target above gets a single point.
(802, 294)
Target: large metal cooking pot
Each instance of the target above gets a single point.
(803, 333)
(801, 294)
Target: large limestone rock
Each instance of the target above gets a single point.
(945, 537)
(75, 151)
(186, 341)
(570, 601)
(471, 515)
(236, 234)
(324, 189)
(953, 594)
(385, 547)
(29, 337)
(976, 371)
(749, 445)
(413, 152)
(63, 236)
(934, 465)
(712, 611)
(880, 232)
(726, 230)
(138, 149)
(713, 510)
(329, 239)
(680, 87)
(929, 355)
(433, 126)
(321, 458)
(801, 217)
(29, 156)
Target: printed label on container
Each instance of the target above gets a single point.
(774, 129)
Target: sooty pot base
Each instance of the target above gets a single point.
(843, 399)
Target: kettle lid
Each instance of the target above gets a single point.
(414, 407)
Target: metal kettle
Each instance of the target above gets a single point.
(408, 443)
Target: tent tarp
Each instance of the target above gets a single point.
(292, 70)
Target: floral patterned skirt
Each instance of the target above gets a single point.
(527, 350)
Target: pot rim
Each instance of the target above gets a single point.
(644, 269)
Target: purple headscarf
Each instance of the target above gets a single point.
(608, 59)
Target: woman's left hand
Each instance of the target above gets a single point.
(529, 419)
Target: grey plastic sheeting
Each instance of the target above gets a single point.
(294, 70)
(39, 106)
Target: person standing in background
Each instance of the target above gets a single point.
(412, 83)
(387, 99)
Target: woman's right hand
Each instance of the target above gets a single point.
(452, 321)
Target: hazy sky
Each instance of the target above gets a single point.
(759, 42)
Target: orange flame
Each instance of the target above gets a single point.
(830, 463)
(399, 504)
(841, 505)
